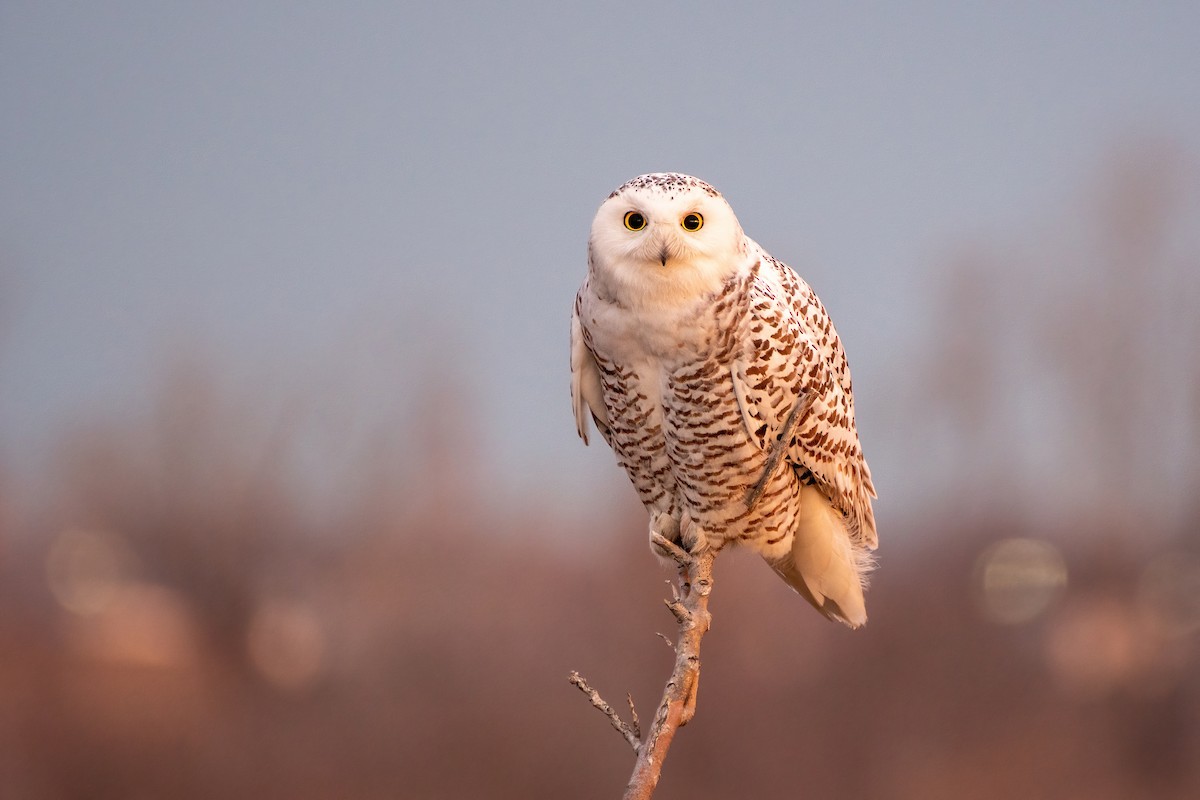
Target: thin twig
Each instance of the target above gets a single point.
(634, 722)
(632, 733)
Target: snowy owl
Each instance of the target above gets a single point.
(715, 375)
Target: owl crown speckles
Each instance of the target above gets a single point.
(670, 182)
(713, 372)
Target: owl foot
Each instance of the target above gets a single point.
(691, 535)
(669, 552)
(664, 528)
(683, 551)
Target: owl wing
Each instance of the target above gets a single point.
(587, 396)
(793, 365)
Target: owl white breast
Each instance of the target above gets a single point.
(715, 375)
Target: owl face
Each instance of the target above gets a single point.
(665, 237)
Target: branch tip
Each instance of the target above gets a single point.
(632, 734)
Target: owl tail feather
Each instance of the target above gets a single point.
(824, 567)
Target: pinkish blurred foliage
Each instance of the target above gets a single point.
(175, 622)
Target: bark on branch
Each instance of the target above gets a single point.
(689, 606)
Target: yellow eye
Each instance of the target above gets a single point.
(692, 222)
(634, 221)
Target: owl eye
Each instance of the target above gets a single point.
(692, 222)
(634, 221)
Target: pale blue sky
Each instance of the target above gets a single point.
(306, 192)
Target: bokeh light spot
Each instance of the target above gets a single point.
(1093, 647)
(1019, 578)
(142, 625)
(86, 568)
(286, 643)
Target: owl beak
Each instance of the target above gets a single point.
(662, 255)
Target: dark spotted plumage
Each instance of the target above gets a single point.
(670, 182)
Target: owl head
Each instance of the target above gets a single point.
(664, 238)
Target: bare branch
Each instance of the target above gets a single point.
(689, 605)
(678, 704)
(632, 733)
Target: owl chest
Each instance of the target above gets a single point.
(678, 431)
(676, 424)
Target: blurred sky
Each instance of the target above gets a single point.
(367, 196)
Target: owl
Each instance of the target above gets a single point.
(714, 374)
